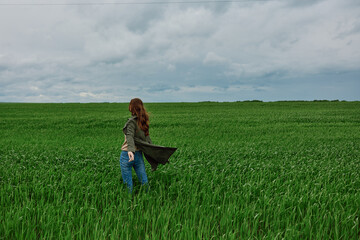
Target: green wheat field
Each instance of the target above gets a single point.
(243, 170)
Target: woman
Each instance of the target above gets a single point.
(137, 141)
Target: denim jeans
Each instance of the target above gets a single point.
(137, 164)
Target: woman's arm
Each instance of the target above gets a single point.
(130, 132)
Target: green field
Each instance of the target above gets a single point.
(243, 170)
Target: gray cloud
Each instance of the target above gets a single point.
(302, 3)
(178, 52)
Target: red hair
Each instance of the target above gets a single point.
(136, 107)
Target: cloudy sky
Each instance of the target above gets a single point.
(169, 52)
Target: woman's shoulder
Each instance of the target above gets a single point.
(132, 120)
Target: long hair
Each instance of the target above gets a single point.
(136, 107)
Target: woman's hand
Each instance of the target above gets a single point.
(131, 156)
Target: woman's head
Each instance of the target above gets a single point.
(136, 107)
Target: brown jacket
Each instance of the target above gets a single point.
(154, 154)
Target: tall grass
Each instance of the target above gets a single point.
(245, 170)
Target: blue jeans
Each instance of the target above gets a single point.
(126, 168)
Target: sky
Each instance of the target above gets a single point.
(159, 51)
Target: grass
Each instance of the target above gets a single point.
(243, 170)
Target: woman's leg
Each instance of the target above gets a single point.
(126, 168)
(139, 167)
